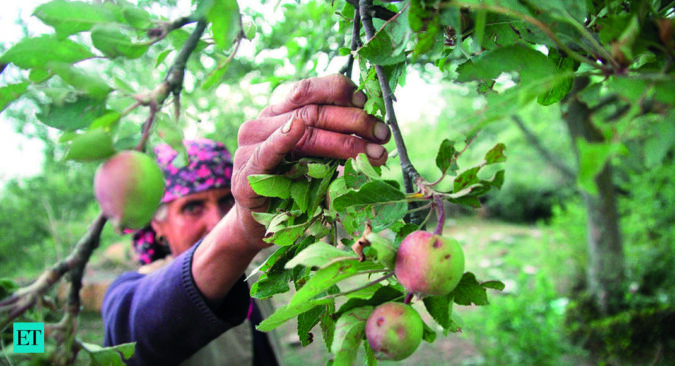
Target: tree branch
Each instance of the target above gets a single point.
(566, 171)
(410, 174)
(377, 11)
(356, 43)
(25, 298)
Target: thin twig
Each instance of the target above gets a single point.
(440, 213)
(410, 174)
(356, 43)
(379, 12)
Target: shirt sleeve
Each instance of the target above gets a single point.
(166, 315)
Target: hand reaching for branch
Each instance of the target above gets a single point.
(319, 117)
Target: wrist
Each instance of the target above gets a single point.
(248, 230)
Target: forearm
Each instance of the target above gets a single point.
(152, 309)
(224, 255)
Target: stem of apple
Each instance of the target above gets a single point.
(440, 212)
(408, 298)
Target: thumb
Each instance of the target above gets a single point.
(270, 152)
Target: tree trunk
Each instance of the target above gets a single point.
(605, 248)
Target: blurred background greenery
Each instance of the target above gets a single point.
(531, 234)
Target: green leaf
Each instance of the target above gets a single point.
(307, 321)
(286, 235)
(39, 75)
(328, 326)
(11, 92)
(288, 312)
(328, 276)
(440, 308)
(137, 17)
(657, 146)
(70, 17)
(496, 285)
(377, 191)
(318, 255)
(225, 23)
(112, 40)
(106, 121)
(469, 291)
(87, 83)
(382, 295)
(496, 154)
(445, 158)
(214, 78)
(563, 66)
(362, 165)
(38, 51)
(91, 146)
(379, 50)
(592, 158)
(531, 64)
(268, 185)
(109, 356)
(428, 334)
(371, 360)
(162, 56)
(386, 250)
(349, 331)
(271, 284)
(466, 178)
(316, 170)
(300, 193)
(69, 116)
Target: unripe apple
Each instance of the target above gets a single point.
(128, 187)
(429, 264)
(394, 331)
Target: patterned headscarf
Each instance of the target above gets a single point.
(209, 166)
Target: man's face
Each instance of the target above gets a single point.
(190, 218)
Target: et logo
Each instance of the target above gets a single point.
(29, 338)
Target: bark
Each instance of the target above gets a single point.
(605, 249)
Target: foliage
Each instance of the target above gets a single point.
(37, 211)
(607, 66)
(524, 327)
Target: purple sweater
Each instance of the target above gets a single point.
(166, 314)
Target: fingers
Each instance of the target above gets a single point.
(269, 153)
(262, 158)
(343, 120)
(333, 90)
(317, 142)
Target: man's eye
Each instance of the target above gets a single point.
(192, 208)
(226, 203)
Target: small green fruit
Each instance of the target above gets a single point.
(129, 187)
(394, 331)
(428, 264)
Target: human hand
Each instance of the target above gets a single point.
(319, 117)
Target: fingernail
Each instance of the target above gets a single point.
(374, 151)
(359, 99)
(381, 131)
(287, 127)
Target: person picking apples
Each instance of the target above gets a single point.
(177, 314)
